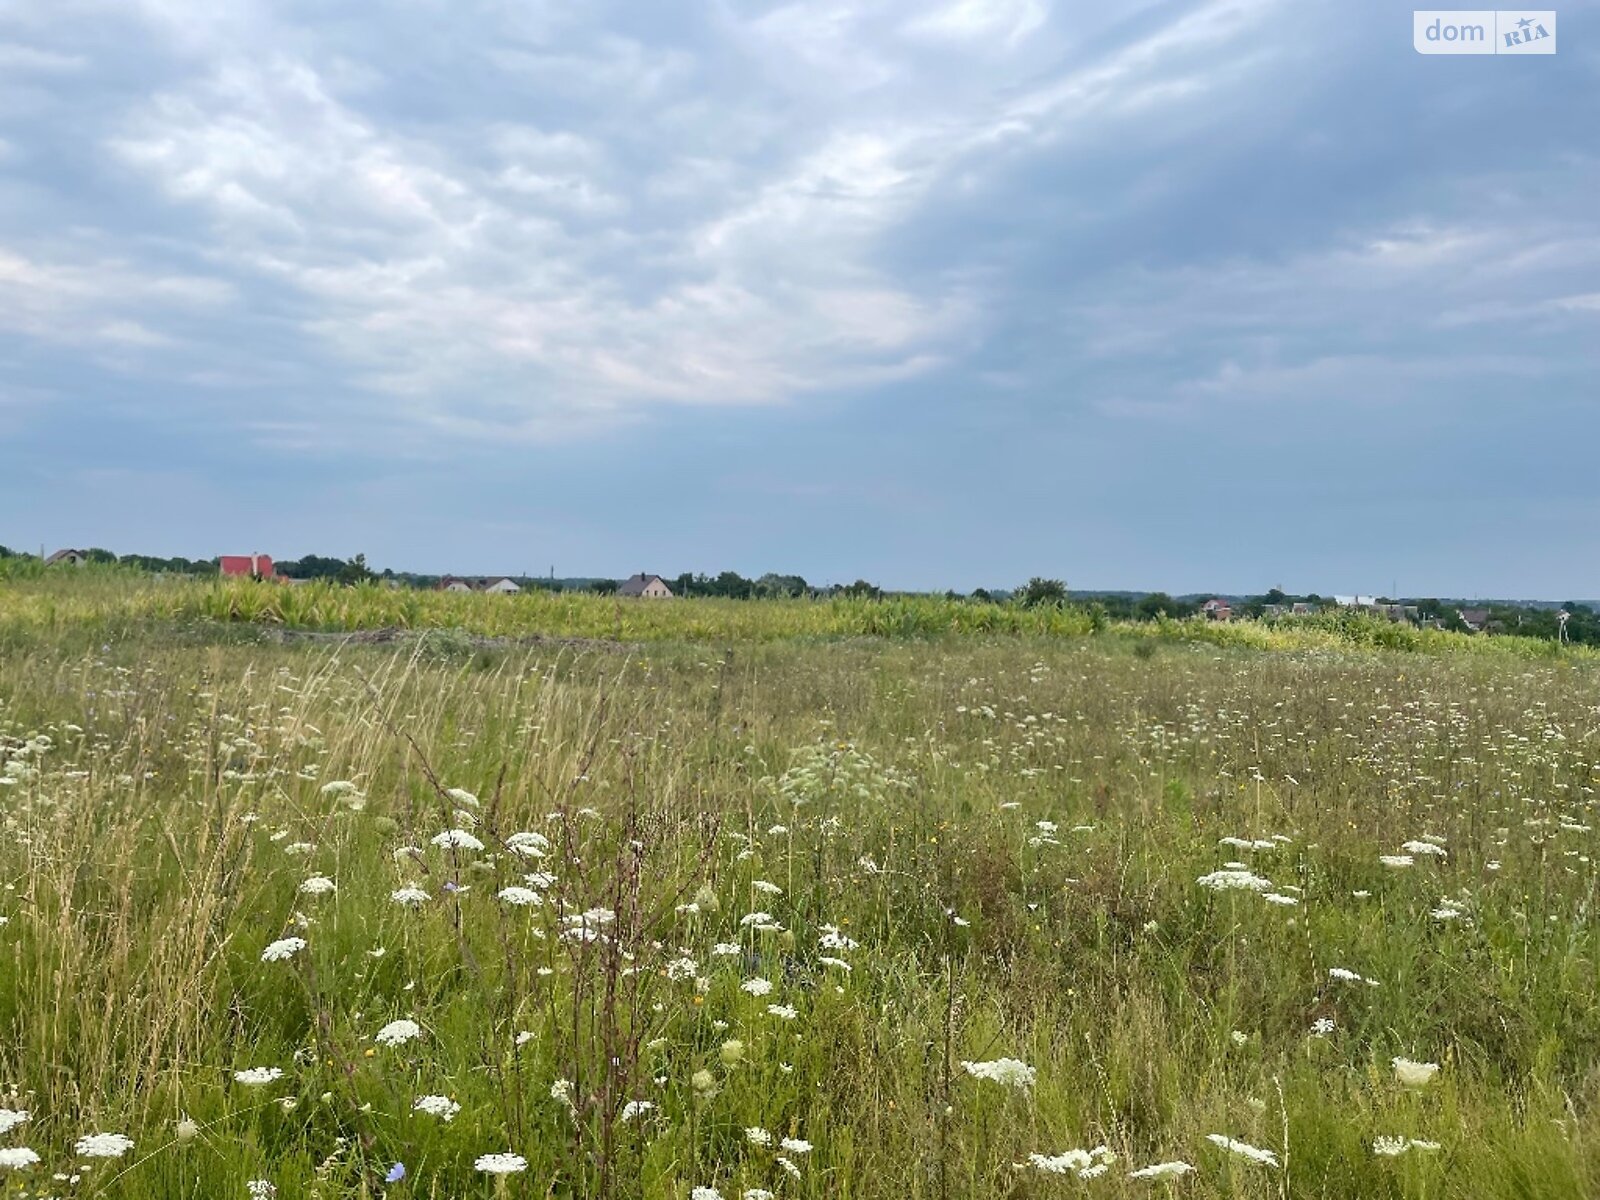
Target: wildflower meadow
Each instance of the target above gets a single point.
(768, 902)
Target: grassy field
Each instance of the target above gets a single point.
(98, 602)
(786, 899)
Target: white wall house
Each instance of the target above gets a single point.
(646, 587)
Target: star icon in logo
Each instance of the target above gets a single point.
(1524, 23)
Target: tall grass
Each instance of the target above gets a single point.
(71, 602)
(1006, 834)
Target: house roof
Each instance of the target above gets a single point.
(245, 564)
(59, 555)
(1474, 616)
(635, 585)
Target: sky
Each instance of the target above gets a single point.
(1211, 295)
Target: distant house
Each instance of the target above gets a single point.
(68, 558)
(1475, 619)
(247, 566)
(451, 584)
(647, 587)
(1302, 609)
(503, 585)
(1217, 609)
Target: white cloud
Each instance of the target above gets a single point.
(16, 58)
(517, 286)
(97, 301)
(1009, 21)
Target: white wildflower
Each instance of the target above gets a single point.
(398, 1033)
(1424, 848)
(1234, 880)
(501, 1164)
(11, 1118)
(1414, 1074)
(283, 948)
(1243, 1149)
(437, 1106)
(1163, 1170)
(1008, 1071)
(103, 1145)
(528, 844)
(258, 1076)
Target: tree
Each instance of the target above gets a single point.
(770, 585)
(1043, 593)
(733, 585)
(1157, 604)
(313, 566)
(605, 587)
(355, 571)
(862, 588)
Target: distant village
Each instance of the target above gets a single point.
(1476, 620)
(1571, 621)
(261, 567)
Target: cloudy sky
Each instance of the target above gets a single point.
(1218, 294)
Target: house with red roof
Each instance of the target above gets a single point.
(247, 566)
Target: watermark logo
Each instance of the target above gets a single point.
(1484, 31)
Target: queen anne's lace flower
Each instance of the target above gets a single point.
(1163, 1170)
(1243, 1149)
(1234, 880)
(1414, 1074)
(103, 1145)
(1085, 1164)
(1009, 1071)
(437, 1106)
(501, 1164)
(398, 1033)
(283, 948)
